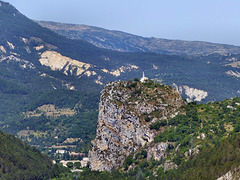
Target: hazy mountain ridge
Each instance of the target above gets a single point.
(26, 40)
(125, 42)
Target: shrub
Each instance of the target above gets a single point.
(77, 165)
(70, 165)
(128, 161)
(158, 124)
(155, 125)
(147, 119)
(144, 153)
(136, 79)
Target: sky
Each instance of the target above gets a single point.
(215, 21)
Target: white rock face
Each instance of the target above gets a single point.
(227, 176)
(56, 62)
(2, 49)
(22, 63)
(90, 73)
(158, 151)
(39, 47)
(231, 175)
(232, 73)
(24, 40)
(122, 69)
(155, 67)
(193, 94)
(11, 45)
(70, 87)
(28, 50)
(232, 59)
(235, 64)
(105, 70)
(98, 80)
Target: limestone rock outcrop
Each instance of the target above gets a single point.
(192, 94)
(231, 175)
(56, 61)
(126, 110)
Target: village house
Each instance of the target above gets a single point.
(60, 151)
(74, 154)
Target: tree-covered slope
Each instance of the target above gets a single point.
(21, 161)
(212, 162)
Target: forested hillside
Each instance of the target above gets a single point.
(21, 161)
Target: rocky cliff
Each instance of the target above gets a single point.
(192, 94)
(126, 110)
(231, 175)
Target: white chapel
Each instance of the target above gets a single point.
(144, 79)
